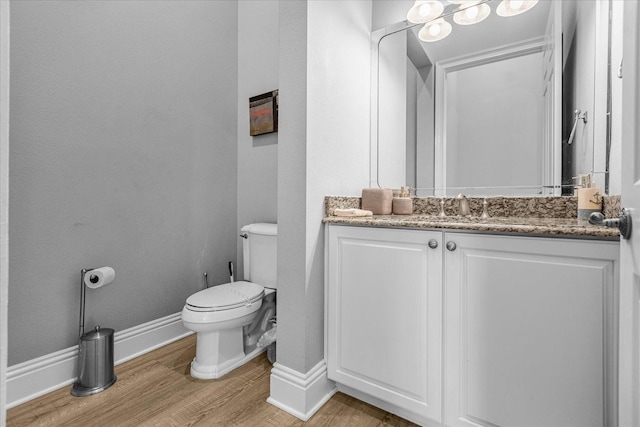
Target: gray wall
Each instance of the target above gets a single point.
(123, 153)
(159, 91)
(257, 74)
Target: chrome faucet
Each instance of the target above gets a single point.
(463, 205)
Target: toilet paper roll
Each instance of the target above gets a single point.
(99, 277)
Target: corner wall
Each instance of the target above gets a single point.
(324, 142)
(323, 150)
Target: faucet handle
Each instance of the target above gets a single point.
(463, 205)
(485, 209)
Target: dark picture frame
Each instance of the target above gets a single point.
(263, 113)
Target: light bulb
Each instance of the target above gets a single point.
(472, 12)
(435, 30)
(508, 8)
(424, 10)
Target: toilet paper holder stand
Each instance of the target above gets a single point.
(83, 293)
(99, 378)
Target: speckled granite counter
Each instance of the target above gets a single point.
(543, 216)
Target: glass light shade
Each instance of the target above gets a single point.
(469, 15)
(435, 30)
(424, 11)
(514, 7)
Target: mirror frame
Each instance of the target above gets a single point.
(376, 38)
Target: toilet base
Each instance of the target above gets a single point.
(204, 372)
(222, 346)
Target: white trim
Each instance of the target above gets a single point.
(36, 377)
(4, 201)
(301, 395)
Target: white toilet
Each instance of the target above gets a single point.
(229, 319)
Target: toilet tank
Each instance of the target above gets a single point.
(260, 253)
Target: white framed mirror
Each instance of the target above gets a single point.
(491, 116)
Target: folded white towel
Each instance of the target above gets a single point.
(352, 212)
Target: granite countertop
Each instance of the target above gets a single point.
(551, 224)
(569, 227)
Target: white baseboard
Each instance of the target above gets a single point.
(36, 377)
(301, 395)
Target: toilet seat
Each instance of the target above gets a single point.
(226, 297)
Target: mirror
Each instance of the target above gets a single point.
(490, 109)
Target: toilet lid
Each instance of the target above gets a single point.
(226, 297)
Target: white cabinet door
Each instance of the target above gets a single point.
(384, 315)
(530, 331)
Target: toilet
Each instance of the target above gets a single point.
(230, 318)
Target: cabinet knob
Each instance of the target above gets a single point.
(451, 246)
(433, 243)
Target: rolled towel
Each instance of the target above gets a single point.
(352, 212)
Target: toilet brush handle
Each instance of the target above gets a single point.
(231, 271)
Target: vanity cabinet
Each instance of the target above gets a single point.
(469, 329)
(529, 331)
(384, 316)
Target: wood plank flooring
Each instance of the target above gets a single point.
(157, 390)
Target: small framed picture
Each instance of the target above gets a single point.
(263, 113)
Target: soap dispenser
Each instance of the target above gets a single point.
(589, 197)
(403, 204)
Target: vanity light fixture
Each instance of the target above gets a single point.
(431, 13)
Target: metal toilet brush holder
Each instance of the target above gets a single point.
(95, 354)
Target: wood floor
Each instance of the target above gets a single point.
(157, 390)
